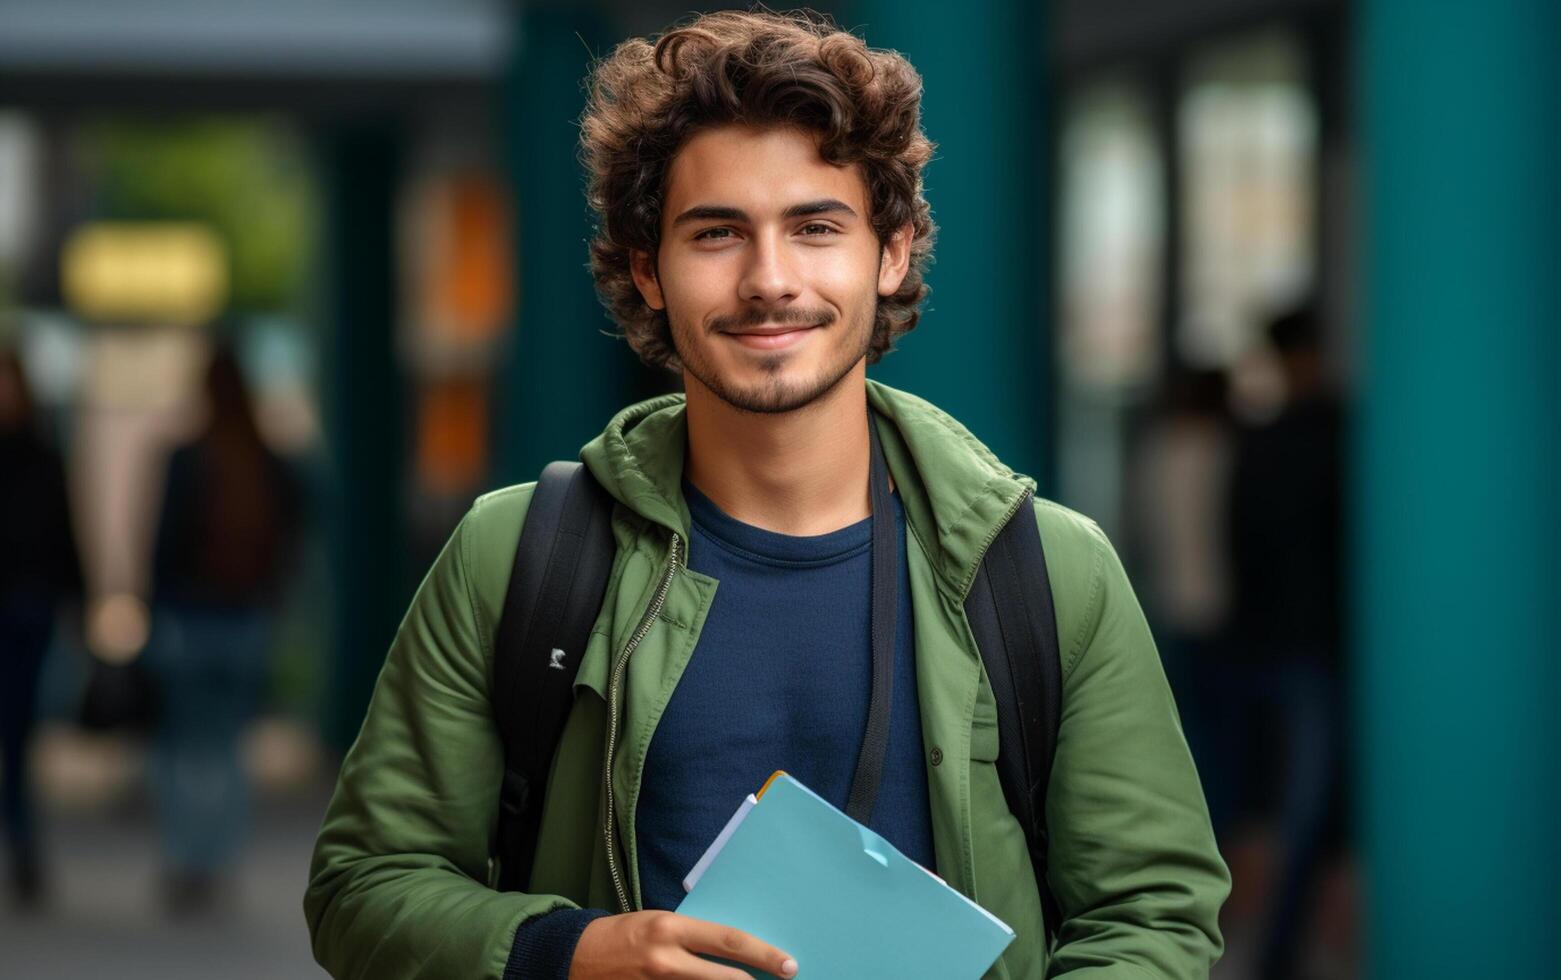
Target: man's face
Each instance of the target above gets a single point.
(769, 268)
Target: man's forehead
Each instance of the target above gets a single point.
(759, 170)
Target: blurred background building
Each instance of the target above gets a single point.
(1266, 287)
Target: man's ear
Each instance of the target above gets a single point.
(895, 259)
(642, 266)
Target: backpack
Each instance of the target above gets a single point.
(555, 593)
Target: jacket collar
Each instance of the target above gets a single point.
(957, 494)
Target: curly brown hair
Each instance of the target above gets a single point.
(755, 68)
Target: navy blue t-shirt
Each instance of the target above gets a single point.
(780, 679)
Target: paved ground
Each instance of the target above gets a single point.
(105, 919)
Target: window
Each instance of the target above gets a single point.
(1247, 127)
(1111, 255)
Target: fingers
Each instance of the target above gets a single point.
(734, 944)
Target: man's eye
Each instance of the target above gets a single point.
(713, 233)
(817, 228)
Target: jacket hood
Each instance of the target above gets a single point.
(957, 494)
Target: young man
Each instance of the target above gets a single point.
(763, 231)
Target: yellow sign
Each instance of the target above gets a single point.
(162, 272)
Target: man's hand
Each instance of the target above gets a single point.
(663, 945)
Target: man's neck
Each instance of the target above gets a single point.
(802, 472)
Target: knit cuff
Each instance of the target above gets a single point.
(545, 946)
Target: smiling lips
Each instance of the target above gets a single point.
(771, 337)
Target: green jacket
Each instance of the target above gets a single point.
(399, 882)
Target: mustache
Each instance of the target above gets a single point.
(790, 317)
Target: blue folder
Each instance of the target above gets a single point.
(806, 878)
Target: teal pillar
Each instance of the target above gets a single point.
(364, 401)
(983, 348)
(564, 375)
(1459, 488)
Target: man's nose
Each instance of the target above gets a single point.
(769, 276)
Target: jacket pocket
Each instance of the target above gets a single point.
(983, 725)
(1004, 879)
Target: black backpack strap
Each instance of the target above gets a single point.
(1015, 625)
(555, 592)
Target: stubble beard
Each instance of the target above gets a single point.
(775, 394)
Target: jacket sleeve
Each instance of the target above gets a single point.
(397, 883)
(1133, 862)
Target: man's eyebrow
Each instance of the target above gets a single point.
(719, 212)
(710, 212)
(826, 205)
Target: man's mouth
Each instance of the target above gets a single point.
(771, 336)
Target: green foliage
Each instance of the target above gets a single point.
(249, 179)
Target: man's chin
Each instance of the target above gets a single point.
(773, 394)
(769, 399)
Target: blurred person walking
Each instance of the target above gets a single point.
(1287, 541)
(1183, 500)
(38, 568)
(224, 544)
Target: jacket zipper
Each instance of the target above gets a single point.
(610, 829)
